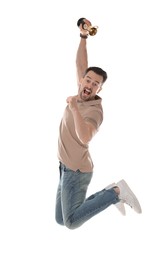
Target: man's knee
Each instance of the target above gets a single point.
(59, 220)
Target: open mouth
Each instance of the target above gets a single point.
(87, 91)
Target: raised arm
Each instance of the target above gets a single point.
(81, 59)
(82, 56)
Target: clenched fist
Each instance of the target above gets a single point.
(72, 102)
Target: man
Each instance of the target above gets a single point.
(81, 121)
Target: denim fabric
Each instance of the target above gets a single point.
(72, 207)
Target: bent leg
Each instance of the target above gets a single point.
(75, 207)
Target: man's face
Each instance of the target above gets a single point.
(90, 85)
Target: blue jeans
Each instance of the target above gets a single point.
(72, 207)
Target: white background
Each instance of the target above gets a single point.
(38, 43)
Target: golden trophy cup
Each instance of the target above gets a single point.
(86, 25)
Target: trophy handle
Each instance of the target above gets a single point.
(92, 30)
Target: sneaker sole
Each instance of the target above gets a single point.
(137, 207)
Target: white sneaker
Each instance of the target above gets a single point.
(119, 205)
(128, 197)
